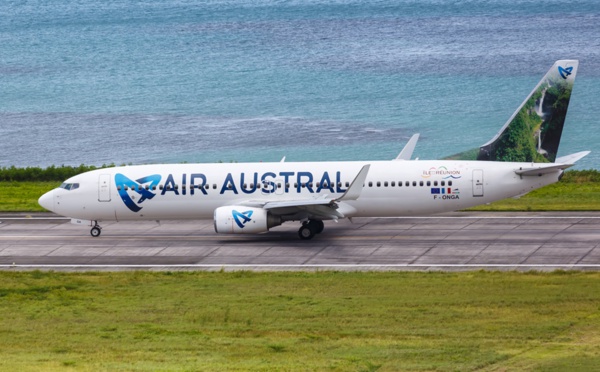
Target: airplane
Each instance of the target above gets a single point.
(251, 198)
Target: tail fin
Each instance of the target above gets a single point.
(532, 134)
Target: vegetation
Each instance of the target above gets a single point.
(37, 174)
(487, 321)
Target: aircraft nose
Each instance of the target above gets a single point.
(47, 201)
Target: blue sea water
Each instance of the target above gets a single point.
(142, 81)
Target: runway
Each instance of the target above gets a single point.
(456, 241)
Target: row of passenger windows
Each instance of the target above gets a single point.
(303, 185)
(408, 183)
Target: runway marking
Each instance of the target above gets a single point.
(386, 218)
(309, 266)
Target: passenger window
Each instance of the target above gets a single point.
(385, 184)
(420, 183)
(370, 184)
(443, 183)
(378, 184)
(414, 183)
(428, 183)
(449, 183)
(435, 183)
(407, 184)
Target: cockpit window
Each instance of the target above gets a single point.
(69, 186)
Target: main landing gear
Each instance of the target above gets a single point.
(310, 228)
(96, 230)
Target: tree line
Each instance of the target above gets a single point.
(51, 173)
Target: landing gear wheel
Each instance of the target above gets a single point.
(305, 232)
(95, 231)
(317, 226)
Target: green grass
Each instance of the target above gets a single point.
(485, 321)
(23, 196)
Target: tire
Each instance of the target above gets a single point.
(95, 231)
(306, 233)
(317, 226)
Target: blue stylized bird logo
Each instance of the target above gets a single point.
(565, 72)
(123, 183)
(242, 218)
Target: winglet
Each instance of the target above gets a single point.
(408, 149)
(356, 186)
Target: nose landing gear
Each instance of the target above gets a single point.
(96, 230)
(310, 228)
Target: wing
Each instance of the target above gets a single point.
(322, 208)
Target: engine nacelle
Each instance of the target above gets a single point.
(243, 220)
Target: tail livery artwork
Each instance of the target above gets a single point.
(255, 197)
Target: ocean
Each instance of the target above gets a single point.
(140, 81)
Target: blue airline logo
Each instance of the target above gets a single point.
(242, 218)
(138, 186)
(565, 72)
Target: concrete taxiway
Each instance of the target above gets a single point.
(457, 241)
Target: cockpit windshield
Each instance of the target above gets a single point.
(69, 186)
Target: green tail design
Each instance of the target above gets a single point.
(533, 132)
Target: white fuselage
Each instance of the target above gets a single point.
(194, 191)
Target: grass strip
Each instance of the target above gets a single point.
(337, 321)
(23, 196)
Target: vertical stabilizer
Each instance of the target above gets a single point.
(532, 134)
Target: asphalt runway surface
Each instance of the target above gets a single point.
(456, 241)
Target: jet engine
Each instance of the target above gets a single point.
(237, 219)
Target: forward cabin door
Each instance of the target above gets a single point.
(104, 188)
(477, 182)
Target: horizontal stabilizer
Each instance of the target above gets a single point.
(573, 158)
(408, 149)
(542, 169)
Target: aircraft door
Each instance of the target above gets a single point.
(477, 182)
(104, 188)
